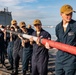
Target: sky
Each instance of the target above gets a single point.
(48, 11)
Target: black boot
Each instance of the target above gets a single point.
(24, 72)
(10, 68)
(15, 72)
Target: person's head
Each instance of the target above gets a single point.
(66, 12)
(14, 22)
(37, 24)
(29, 26)
(22, 25)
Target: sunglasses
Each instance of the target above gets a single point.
(37, 25)
(23, 27)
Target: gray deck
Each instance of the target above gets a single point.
(51, 65)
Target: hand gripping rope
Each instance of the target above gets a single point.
(64, 47)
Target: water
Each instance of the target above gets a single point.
(52, 32)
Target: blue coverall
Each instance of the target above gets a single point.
(27, 53)
(66, 62)
(17, 52)
(10, 52)
(40, 55)
(2, 47)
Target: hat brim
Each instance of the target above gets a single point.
(36, 23)
(68, 12)
(21, 26)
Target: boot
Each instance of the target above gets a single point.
(24, 72)
(10, 68)
(15, 72)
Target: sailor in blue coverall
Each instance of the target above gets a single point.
(66, 33)
(2, 59)
(27, 49)
(40, 53)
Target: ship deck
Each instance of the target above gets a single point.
(51, 65)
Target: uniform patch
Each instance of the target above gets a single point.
(70, 33)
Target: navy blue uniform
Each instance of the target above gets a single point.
(2, 47)
(17, 51)
(10, 50)
(40, 56)
(7, 42)
(30, 30)
(66, 62)
(27, 53)
(7, 39)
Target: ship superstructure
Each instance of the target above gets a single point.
(5, 17)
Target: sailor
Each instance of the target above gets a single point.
(16, 48)
(27, 50)
(40, 53)
(2, 47)
(10, 49)
(66, 33)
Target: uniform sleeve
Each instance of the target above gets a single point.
(56, 32)
(46, 35)
(49, 36)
